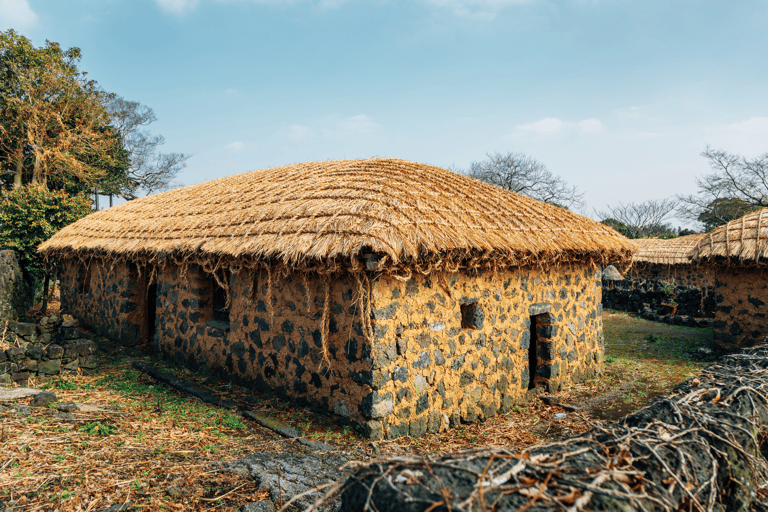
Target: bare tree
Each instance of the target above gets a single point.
(149, 171)
(526, 175)
(638, 220)
(735, 187)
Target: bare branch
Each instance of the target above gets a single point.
(525, 175)
(641, 219)
(736, 186)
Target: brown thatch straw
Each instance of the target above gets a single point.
(299, 215)
(672, 251)
(742, 239)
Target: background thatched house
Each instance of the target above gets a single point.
(662, 272)
(737, 252)
(402, 296)
(669, 260)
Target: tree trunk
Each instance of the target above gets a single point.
(18, 174)
(46, 283)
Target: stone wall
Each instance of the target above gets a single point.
(15, 295)
(686, 276)
(433, 366)
(41, 350)
(111, 300)
(278, 349)
(741, 315)
(438, 350)
(633, 293)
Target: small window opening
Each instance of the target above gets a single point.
(219, 303)
(85, 282)
(532, 356)
(468, 315)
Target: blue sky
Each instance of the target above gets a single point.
(616, 96)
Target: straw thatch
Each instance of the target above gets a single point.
(742, 239)
(672, 251)
(405, 212)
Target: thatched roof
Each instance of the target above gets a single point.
(670, 251)
(340, 209)
(742, 239)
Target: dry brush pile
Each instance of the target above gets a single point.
(700, 449)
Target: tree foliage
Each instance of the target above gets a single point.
(525, 175)
(640, 220)
(53, 125)
(735, 186)
(31, 214)
(148, 170)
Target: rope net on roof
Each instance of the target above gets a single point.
(298, 215)
(742, 239)
(672, 251)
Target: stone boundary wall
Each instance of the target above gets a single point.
(43, 350)
(632, 294)
(686, 276)
(702, 448)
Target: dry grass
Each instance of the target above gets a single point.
(159, 445)
(412, 214)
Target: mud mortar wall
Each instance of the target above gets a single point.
(741, 314)
(109, 300)
(430, 372)
(278, 350)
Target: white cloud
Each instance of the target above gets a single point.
(231, 91)
(546, 125)
(590, 125)
(550, 126)
(483, 9)
(634, 112)
(16, 14)
(176, 6)
(754, 126)
(354, 125)
(299, 132)
(239, 146)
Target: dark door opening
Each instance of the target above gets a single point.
(151, 306)
(532, 358)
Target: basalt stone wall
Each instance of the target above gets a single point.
(279, 348)
(741, 315)
(632, 293)
(686, 276)
(111, 300)
(15, 295)
(452, 348)
(42, 350)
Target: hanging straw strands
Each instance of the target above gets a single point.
(742, 239)
(412, 215)
(698, 450)
(672, 251)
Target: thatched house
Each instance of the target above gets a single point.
(402, 296)
(737, 252)
(669, 260)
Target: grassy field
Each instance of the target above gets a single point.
(145, 444)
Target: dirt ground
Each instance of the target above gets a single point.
(152, 447)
